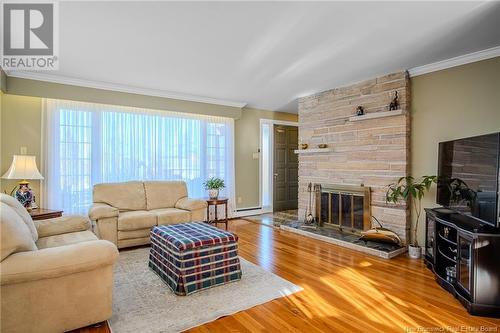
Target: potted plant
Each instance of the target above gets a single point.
(213, 185)
(407, 189)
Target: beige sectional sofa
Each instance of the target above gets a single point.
(124, 213)
(55, 274)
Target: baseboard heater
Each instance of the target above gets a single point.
(247, 209)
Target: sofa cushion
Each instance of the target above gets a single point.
(132, 234)
(14, 233)
(65, 239)
(135, 220)
(21, 211)
(101, 211)
(164, 194)
(62, 225)
(171, 215)
(124, 196)
(191, 204)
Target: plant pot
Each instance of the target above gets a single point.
(414, 252)
(213, 194)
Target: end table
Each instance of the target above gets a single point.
(43, 214)
(216, 202)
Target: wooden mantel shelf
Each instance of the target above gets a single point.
(313, 151)
(375, 115)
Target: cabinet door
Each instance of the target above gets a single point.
(430, 237)
(464, 263)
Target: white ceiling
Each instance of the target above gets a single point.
(265, 54)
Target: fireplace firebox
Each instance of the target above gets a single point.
(346, 207)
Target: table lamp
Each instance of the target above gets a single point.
(23, 167)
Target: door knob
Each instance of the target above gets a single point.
(275, 175)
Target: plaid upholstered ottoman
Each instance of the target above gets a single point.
(190, 257)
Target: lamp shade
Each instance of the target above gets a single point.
(23, 167)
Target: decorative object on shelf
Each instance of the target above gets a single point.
(380, 234)
(407, 189)
(360, 111)
(304, 146)
(213, 185)
(309, 218)
(451, 274)
(322, 145)
(394, 105)
(446, 232)
(23, 167)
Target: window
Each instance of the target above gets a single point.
(266, 158)
(87, 144)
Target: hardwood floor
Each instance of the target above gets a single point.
(344, 291)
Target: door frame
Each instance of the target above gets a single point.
(271, 123)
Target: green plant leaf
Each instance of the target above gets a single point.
(214, 183)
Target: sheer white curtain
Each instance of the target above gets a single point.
(86, 143)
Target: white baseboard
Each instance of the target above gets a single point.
(242, 212)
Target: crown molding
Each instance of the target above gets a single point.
(122, 88)
(456, 61)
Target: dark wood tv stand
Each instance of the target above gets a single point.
(473, 248)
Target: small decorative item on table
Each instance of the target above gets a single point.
(190, 257)
(23, 167)
(213, 185)
(360, 111)
(217, 202)
(24, 195)
(322, 145)
(304, 146)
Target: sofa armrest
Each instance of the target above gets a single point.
(101, 210)
(57, 261)
(190, 204)
(62, 225)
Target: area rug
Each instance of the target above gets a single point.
(143, 303)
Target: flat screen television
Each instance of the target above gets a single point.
(468, 177)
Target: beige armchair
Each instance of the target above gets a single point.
(124, 213)
(55, 274)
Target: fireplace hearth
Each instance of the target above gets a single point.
(345, 207)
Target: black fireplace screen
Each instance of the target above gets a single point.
(344, 208)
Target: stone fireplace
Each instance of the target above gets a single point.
(372, 150)
(345, 207)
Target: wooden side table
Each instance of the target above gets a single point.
(215, 203)
(43, 214)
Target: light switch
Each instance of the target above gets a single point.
(24, 150)
(255, 156)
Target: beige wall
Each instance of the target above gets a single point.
(246, 142)
(26, 87)
(21, 126)
(450, 104)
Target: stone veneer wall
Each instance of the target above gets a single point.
(373, 152)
